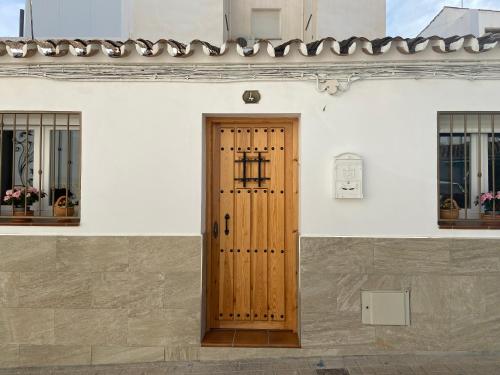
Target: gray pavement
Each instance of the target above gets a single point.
(414, 364)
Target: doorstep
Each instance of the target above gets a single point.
(240, 338)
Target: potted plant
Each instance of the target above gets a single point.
(490, 203)
(22, 198)
(449, 209)
(64, 207)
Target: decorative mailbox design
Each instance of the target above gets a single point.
(348, 176)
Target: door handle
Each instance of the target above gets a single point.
(216, 230)
(226, 230)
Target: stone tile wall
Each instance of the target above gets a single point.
(455, 293)
(82, 300)
(98, 300)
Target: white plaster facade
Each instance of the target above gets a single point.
(142, 138)
(462, 21)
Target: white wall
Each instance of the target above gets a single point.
(180, 20)
(345, 18)
(201, 19)
(142, 150)
(453, 21)
(122, 19)
(75, 19)
(291, 18)
(489, 19)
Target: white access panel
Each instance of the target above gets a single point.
(391, 308)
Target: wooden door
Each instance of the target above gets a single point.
(252, 223)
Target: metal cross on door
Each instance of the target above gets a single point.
(253, 272)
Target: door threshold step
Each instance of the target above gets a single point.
(244, 338)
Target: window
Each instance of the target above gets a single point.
(492, 30)
(266, 24)
(469, 170)
(40, 168)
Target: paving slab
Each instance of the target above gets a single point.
(411, 364)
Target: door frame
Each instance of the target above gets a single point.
(291, 217)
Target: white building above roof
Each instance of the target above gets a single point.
(214, 21)
(463, 21)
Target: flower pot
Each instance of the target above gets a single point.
(449, 210)
(447, 214)
(20, 211)
(21, 215)
(60, 209)
(490, 216)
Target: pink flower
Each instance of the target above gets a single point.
(486, 197)
(16, 194)
(8, 192)
(6, 198)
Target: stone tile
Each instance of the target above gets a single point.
(126, 354)
(182, 353)
(55, 289)
(248, 354)
(110, 290)
(8, 289)
(92, 254)
(323, 330)
(349, 287)
(430, 296)
(490, 292)
(410, 256)
(479, 334)
(26, 326)
(336, 255)
(128, 290)
(467, 300)
(165, 254)
(146, 290)
(295, 371)
(472, 256)
(291, 363)
(349, 292)
(163, 327)
(475, 316)
(318, 292)
(96, 327)
(421, 335)
(355, 371)
(182, 290)
(387, 282)
(27, 254)
(54, 355)
(9, 356)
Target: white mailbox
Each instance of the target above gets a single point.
(348, 176)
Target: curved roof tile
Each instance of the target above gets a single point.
(147, 48)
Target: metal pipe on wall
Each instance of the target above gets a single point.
(21, 23)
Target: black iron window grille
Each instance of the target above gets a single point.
(469, 169)
(245, 161)
(40, 168)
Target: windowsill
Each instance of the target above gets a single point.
(27, 221)
(469, 224)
